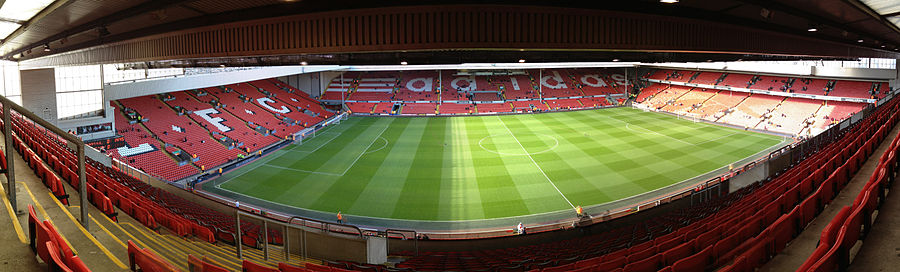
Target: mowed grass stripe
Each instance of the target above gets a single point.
(483, 172)
(623, 155)
(459, 193)
(389, 166)
(338, 155)
(345, 191)
(499, 196)
(420, 193)
(539, 193)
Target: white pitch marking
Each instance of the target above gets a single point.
(535, 163)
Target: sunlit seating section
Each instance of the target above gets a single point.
(833, 112)
(791, 116)
(714, 107)
(651, 90)
(667, 96)
(749, 112)
(689, 100)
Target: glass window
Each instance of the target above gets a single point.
(78, 90)
(10, 84)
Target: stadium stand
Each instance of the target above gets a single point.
(848, 88)
(737, 232)
(529, 106)
(690, 100)
(235, 129)
(417, 86)
(593, 102)
(809, 86)
(769, 83)
(750, 111)
(361, 107)
(383, 108)
(292, 96)
(156, 161)
(516, 87)
(792, 116)
(850, 226)
(667, 96)
(557, 104)
(213, 125)
(454, 108)
(418, 108)
(711, 78)
(493, 107)
(182, 132)
(737, 80)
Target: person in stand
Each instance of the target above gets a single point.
(520, 229)
(340, 218)
(579, 211)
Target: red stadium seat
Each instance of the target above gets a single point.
(679, 252)
(316, 267)
(696, 262)
(652, 263)
(611, 264)
(248, 266)
(56, 263)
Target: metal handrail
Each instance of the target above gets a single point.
(8, 107)
(387, 234)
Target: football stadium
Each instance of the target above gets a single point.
(287, 135)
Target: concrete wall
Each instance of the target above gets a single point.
(808, 71)
(39, 92)
(165, 85)
(308, 83)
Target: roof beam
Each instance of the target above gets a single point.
(868, 10)
(114, 17)
(37, 17)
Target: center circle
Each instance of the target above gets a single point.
(509, 145)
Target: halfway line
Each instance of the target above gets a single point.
(535, 163)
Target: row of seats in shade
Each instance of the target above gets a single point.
(852, 223)
(746, 233)
(47, 244)
(107, 187)
(142, 259)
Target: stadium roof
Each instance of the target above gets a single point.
(100, 31)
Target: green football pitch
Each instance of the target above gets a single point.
(483, 167)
